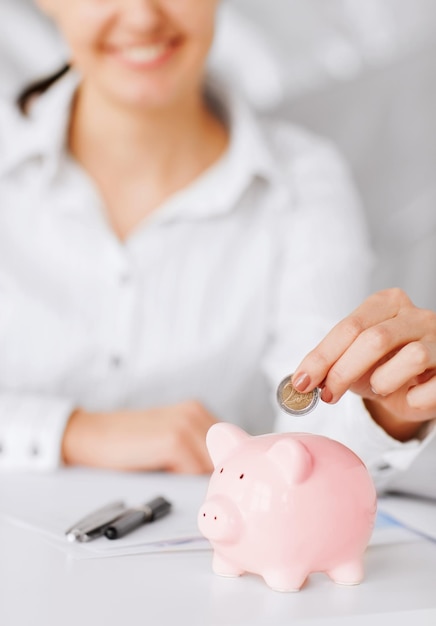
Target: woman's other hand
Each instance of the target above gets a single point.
(171, 438)
(385, 351)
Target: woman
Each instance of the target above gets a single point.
(165, 259)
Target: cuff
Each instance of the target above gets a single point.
(31, 431)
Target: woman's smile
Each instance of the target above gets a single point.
(145, 55)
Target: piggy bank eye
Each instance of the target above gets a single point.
(221, 470)
(241, 476)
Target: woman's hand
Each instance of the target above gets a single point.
(170, 438)
(385, 351)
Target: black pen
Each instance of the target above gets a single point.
(135, 517)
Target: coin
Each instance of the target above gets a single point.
(294, 402)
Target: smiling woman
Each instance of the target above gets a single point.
(147, 54)
(142, 73)
(166, 258)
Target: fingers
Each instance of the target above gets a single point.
(190, 455)
(406, 365)
(369, 349)
(374, 310)
(190, 461)
(423, 397)
(187, 449)
(383, 344)
(171, 438)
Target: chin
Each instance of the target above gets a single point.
(149, 96)
(147, 101)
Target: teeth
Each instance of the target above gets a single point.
(144, 54)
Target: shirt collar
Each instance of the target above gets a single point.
(43, 132)
(248, 156)
(249, 146)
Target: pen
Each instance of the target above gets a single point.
(94, 524)
(135, 517)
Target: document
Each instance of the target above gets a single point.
(51, 503)
(415, 514)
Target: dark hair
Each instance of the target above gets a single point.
(39, 87)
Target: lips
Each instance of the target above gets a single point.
(145, 55)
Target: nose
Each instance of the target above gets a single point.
(219, 520)
(143, 13)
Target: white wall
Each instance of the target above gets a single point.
(363, 72)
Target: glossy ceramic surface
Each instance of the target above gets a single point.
(286, 505)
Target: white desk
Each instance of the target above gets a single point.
(42, 585)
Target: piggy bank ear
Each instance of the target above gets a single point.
(221, 439)
(292, 458)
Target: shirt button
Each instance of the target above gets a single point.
(116, 361)
(34, 450)
(382, 467)
(125, 279)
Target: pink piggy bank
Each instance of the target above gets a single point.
(286, 505)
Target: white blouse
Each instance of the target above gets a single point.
(216, 296)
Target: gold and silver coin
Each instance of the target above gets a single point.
(294, 402)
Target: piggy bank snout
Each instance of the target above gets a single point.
(220, 520)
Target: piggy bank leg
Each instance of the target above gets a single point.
(350, 573)
(223, 567)
(285, 580)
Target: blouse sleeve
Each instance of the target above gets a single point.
(31, 431)
(323, 271)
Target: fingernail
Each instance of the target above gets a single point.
(377, 393)
(326, 395)
(302, 382)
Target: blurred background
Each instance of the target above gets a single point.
(361, 72)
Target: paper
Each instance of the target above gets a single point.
(51, 503)
(389, 530)
(415, 514)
